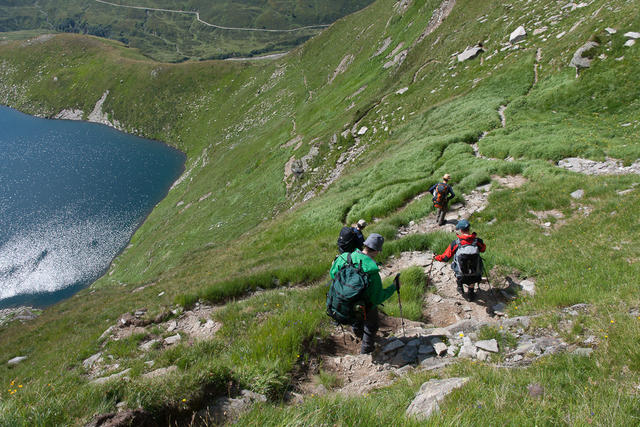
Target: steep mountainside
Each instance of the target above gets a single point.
(356, 123)
(188, 29)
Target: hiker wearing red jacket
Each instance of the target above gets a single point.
(467, 263)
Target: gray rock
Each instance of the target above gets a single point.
(103, 380)
(578, 194)
(632, 35)
(408, 355)
(517, 35)
(92, 360)
(611, 30)
(402, 91)
(414, 343)
(439, 347)
(16, 360)
(488, 345)
(579, 59)
(540, 30)
(426, 349)
(499, 308)
(468, 350)
(525, 347)
(172, 326)
(470, 53)
(148, 345)
(226, 409)
(439, 332)
(586, 352)
(629, 43)
(393, 345)
(528, 286)
(482, 355)
(433, 363)
(524, 321)
(106, 333)
(160, 372)
(172, 339)
(430, 394)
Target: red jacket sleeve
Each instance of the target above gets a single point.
(448, 253)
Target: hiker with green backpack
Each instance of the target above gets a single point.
(356, 291)
(442, 193)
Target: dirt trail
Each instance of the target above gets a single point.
(476, 201)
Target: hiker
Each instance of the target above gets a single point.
(351, 238)
(442, 193)
(360, 225)
(360, 308)
(467, 263)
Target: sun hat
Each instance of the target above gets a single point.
(374, 241)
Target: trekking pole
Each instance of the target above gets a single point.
(396, 282)
(430, 267)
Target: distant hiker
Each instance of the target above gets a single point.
(442, 193)
(467, 263)
(360, 225)
(356, 291)
(351, 238)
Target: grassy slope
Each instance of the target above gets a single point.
(243, 235)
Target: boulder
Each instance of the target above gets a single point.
(488, 345)
(363, 130)
(517, 35)
(172, 339)
(482, 355)
(632, 35)
(430, 394)
(470, 53)
(393, 345)
(630, 43)
(579, 59)
(528, 286)
(468, 350)
(426, 349)
(439, 347)
(402, 91)
(16, 360)
(610, 30)
(578, 194)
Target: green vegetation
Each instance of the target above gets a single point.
(178, 36)
(239, 124)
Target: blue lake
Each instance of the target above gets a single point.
(71, 196)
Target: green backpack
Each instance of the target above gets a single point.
(347, 290)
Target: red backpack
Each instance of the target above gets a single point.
(440, 194)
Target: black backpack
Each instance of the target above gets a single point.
(348, 240)
(467, 262)
(347, 290)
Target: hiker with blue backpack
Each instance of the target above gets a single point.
(351, 238)
(467, 263)
(442, 194)
(356, 291)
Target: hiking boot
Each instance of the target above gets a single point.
(471, 295)
(460, 290)
(366, 349)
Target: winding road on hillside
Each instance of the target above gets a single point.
(197, 15)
